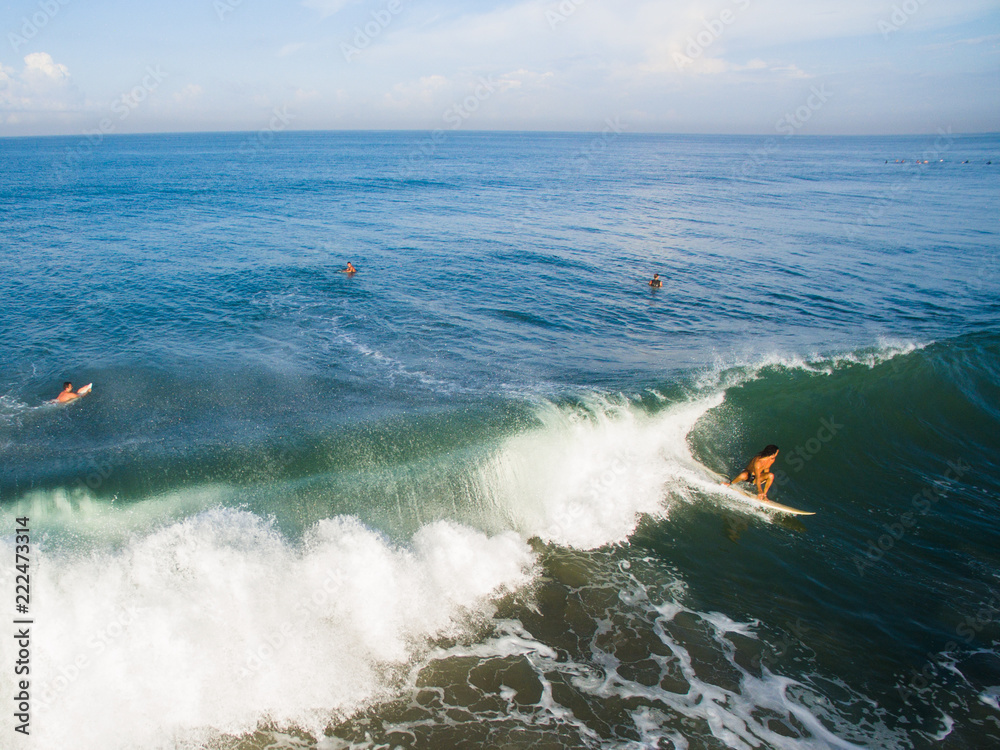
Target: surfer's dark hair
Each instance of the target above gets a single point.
(770, 450)
(67, 384)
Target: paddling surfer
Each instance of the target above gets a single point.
(350, 270)
(68, 395)
(759, 471)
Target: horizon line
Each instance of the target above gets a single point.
(472, 131)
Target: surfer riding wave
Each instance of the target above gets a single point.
(758, 471)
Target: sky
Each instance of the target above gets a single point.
(70, 67)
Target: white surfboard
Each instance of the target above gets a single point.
(85, 390)
(770, 504)
(767, 504)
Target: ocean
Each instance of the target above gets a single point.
(470, 496)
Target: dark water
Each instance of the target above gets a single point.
(469, 496)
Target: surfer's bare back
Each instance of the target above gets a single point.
(67, 393)
(759, 470)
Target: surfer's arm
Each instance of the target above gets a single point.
(769, 479)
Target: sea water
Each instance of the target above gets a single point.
(469, 496)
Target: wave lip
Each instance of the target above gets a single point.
(731, 372)
(587, 474)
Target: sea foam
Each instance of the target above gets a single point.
(218, 624)
(586, 475)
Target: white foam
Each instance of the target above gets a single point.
(214, 624)
(13, 410)
(739, 715)
(724, 625)
(948, 724)
(739, 718)
(587, 473)
(989, 697)
(730, 371)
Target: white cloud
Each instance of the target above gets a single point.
(645, 36)
(43, 85)
(752, 60)
(41, 68)
(624, 43)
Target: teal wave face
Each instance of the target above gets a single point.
(899, 460)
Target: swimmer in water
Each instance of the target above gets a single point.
(350, 270)
(758, 471)
(68, 395)
(655, 281)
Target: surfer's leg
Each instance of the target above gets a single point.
(767, 482)
(741, 477)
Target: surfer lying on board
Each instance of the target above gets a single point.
(759, 470)
(68, 395)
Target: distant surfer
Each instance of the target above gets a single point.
(68, 394)
(655, 281)
(759, 471)
(350, 270)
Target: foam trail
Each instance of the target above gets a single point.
(688, 702)
(214, 624)
(13, 411)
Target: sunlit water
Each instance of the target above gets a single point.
(469, 496)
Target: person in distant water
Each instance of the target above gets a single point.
(758, 471)
(68, 395)
(350, 270)
(655, 281)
